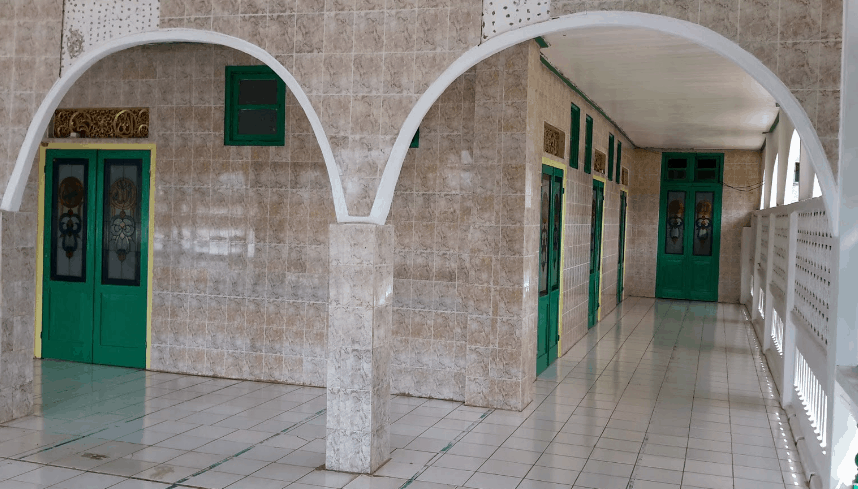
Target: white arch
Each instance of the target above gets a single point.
(687, 30)
(15, 188)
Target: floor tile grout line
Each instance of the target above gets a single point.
(631, 482)
(694, 391)
(180, 483)
(143, 377)
(615, 325)
(119, 423)
(754, 345)
(663, 380)
(446, 448)
(242, 452)
(544, 399)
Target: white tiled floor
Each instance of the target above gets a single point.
(661, 394)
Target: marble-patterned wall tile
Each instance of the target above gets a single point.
(339, 50)
(30, 64)
(359, 344)
(18, 302)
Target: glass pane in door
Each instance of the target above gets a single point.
(122, 233)
(673, 239)
(556, 232)
(703, 208)
(545, 204)
(68, 221)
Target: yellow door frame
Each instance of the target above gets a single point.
(562, 166)
(40, 237)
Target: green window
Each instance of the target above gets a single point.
(619, 160)
(255, 107)
(693, 167)
(610, 155)
(588, 145)
(574, 135)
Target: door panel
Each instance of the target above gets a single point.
(121, 288)
(621, 252)
(550, 234)
(689, 235)
(103, 320)
(68, 256)
(595, 252)
(544, 299)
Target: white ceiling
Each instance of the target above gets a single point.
(665, 92)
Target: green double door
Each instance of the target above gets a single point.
(621, 252)
(550, 237)
(689, 241)
(95, 256)
(596, 217)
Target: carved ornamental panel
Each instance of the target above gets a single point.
(555, 141)
(101, 123)
(600, 163)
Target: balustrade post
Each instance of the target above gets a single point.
(770, 254)
(787, 391)
(755, 271)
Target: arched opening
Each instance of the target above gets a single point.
(468, 192)
(693, 32)
(793, 168)
(17, 182)
(238, 256)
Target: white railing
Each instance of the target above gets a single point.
(793, 290)
(814, 247)
(764, 243)
(813, 397)
(779, 252)
(778, 332)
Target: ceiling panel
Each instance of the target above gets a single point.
(665, 92)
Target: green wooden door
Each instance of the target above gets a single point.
(550, 234)
(621, 254)
(96, 257)
(689, 229)
(595, 251)
(68, 255)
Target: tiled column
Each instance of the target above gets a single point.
(17, 269)
(360, 315)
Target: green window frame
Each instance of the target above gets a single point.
(415, 141)
(698, 167)
(574, 135)
(588, 145)
(232, 108)
(610, 155)
(619, 161)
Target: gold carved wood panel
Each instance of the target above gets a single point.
(105, 123)
(555, 141)
(600, 163)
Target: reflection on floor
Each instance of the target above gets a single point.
(661, 394)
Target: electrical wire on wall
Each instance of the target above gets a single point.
(745, 188)
(741, 188)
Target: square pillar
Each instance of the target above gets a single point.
(360, 316)
(17, 313)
